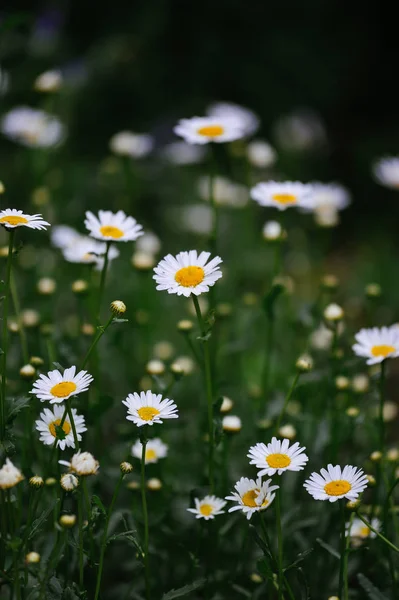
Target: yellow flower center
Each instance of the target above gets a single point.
(264, 503)
(190, 276)
(206, 509)
(365, 531)
(14, 220)
(66, 428)
(63, 389)
(211, 131)
(147, 413)
(284, 198)
(337, 487)
(278, 461)
(110, 231)
(150, 454)
(382, 350)
(249, 498)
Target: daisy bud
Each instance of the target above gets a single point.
(393, 454)
(133, 485)
(273, 232)
(329, 282)
(342, 382)
(142, 261)
(294, 408)
(185, 325)
(353, 505)
(155, 367)
(3, 251)
(352, 411)
(286, 282)
(224, 309)
(376, 456)
(333, 312)
(49, 81)
(126, 467)
(36, 361)
(177, 369)
(67, 521)
(390, 411)
(397, 473)
(255, 578)
(261, 154)
(360, 383)
(27, 372)
(30, 317)
(36, 481)
(32, 558)
(69, 482)
(287, 431)
(304, 363)
(40, 196)
(118, 307)
(12, 325)
(373, 290)
(186, 363)
(231, 424)
(226, 405)
(333, 598)
(2, 188)
(163, 350)
(80, 286)
(371, 479)
(46, 286)
(154, 484)
(50, 481)
(88, 329)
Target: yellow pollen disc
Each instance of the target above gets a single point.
(249, 498)
(365, 531)
(110, 231)
(382, 350)
(150, 454)
(278, 461)
(284, 198)
(14, 220)
(190, 276)
(337, 487)
(66, 428)
(264, 503)
(147, 413)
(206, 510)
(211, 131)
(63, 389)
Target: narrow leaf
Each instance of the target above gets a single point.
(183, 591)
(372, 592)
(40, 521)
(329, 548)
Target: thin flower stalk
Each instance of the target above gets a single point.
(5, 335)
(102, 280)
(21, 328)
(145, 517)
(286, 401)
(101, 330)
(382, 537)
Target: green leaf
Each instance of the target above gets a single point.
(15, 407)
(128, 535)
(37, 523)
(120, 320)
(59, 366)
(299, 559)
(262, 545)
(204, 338)
(183, 591)
(329, 548)
(372, 592)
(96, 500)
(265, 568)
(270, 299)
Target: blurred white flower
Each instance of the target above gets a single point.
(181, 153)
(300, 130)
(282, 194)
(246, 118)
(225, 192)
(202, 130)
(32, 127)
(261, 154)
(135, 145)
(49, 81)
(386, 171)
(148, 243)
(155, 449)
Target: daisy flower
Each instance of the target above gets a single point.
(63, 236)
(147, 408)
(49, 81)
(358, 529)
(208, 507)
(113, 227)
(181, 153)
(252, 496)
(336, 483)
(261, 154)
(202, 130)
(277, 457)
(187, 273)
(377, 343)
(69, 482)
(11, 218)
(135, 145)
(33, 128)
(282, 195)
(386, 171)
(225, 192)
(9, 475)
(155, 449)
(86, 250)
(56, 387)
(51, 419)
(245, 117)
(328, 194)
(82, 463)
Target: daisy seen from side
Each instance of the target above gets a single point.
(187, 273)
(155, 449)
(49, 427)
(277, 457)
(147, 408)
(10, 475)
(56, 387)
(12, 218)
(82, 463)
(377, 343)
(282, 195)
(203, 130)
(247, 119)
(335, 483)
(208, 507)
(358, 529)
(113, 227)
(252, 496)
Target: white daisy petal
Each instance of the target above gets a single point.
(155, 449)
(32, 127)
(386, 171)
(50, 419)
(11, 218)
(187, 273)
(148, 408)
(208, 507)
(336, 483)
(112, 227)
(202, 130)
(252, 496)
(57, 387)
(377, 344)
(277, 456)
(282, 195)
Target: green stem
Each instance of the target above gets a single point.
(70, 415)
(381, 426)
(80, 517)
(21, 328)
(342, 566)
(102, 280)
(209, 391)
(382, 537)
(145, 517)
(287, 399)
(101, 330)
(346, 581)
(104, 536)
(280, 545)
(5, 335)
(214, 207)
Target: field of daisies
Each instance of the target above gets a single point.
(197, 389)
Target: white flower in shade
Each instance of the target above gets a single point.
(231, 424)
(202, 130)
(155, 449)
(11, 218)
(147, 408)
(63, 236)
(51, 419)
(32, 127)
(86, 250)
(282, 195)
(69, 482)
(9, 475)
(386, 171)
(261, 154)
(57, 387)
(328, 194)
(301, 130)
(272, 231)
(187, 273)
(246, 118)
(208, 508)
(82, 463)
(336, 483)
(358, 529)
(135, 145)
(49, 81)
(113, 227)
(194, 218)
(149, 243)
(181, 153)
(277, 457)
(252, 496)
(377, 343)
(225, 192)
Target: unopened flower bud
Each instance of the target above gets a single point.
(32, 558)
(255, 578)
(360, 383)
(231, 424)
(393, 454)
(69, 482)
(250, 299)
(30, 317)
(36, 361)
(155, 367)
(80, 286)
(371, 480)
(67, 521)
(329, 282)
(264, 423)
(287, 431)
(373, 290)
(49, 81)
(226, 405)
(27, 372)
(12, 325)
(224, 310)
(133, 485)
(118, 307)
(333, 312)
(376, 456)
(273, 232)
(36, 481)
(352, 411)
(342, 382)
(154, 484)
(142, 261)
(46, 286)
(304, 363)
(163, 350)
(353, 504)
(126, 467)
(2, 188)
(88, 329)
(50, 481)
(185, 325)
